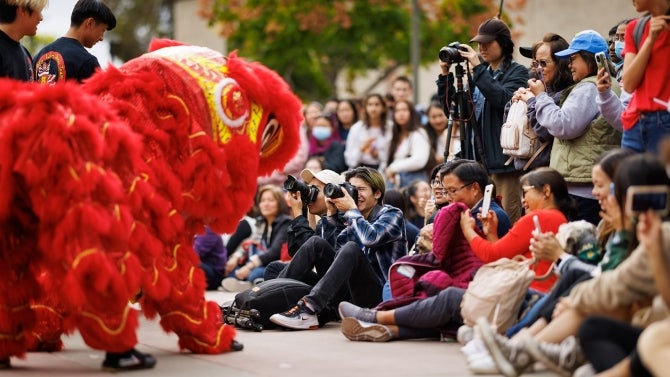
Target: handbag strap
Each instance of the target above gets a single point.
(533, 262)
(534, 156)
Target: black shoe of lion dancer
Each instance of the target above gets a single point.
(131, 360)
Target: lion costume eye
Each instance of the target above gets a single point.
(272, 138)
(232, 104)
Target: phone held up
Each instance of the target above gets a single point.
(486, 204)
(603, 62)
(643, 198)
(536, 220)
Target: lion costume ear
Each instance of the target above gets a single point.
(158, 43)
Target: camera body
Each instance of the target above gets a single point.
(450, 53)
(333, 191)
(642, 198)
(308, 194)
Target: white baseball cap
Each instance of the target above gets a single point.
(325, 176)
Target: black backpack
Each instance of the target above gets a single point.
(251, 309)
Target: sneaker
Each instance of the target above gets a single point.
(299, 317)
(474, 347)
(5, 363)
(131, 360)
(563, 358)
(347, 309)
(235, 285)
(357, 330)
(482, 363)
(510, 358)
(465, 334)
(585, 370)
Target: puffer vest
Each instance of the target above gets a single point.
(574, 158)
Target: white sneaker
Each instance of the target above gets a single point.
(482, 363)
(474, 347)
(465, 334)
(299, 317)
(235, 285)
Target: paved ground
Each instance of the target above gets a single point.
(323, 352)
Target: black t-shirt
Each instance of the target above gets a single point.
(15, 60)
(64, 59)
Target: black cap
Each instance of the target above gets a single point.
(526, 52)
(490, 29)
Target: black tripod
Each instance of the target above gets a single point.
(463, 112)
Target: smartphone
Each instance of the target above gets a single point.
(603, 62)
(642, 198)
(536, 220)
(540, 73)
(488, 191)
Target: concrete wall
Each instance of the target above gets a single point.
(190, 28)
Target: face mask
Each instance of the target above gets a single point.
(321, 133)
(618, 49)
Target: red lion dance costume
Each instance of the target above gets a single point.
(104, 185)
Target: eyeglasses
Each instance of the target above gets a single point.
(540, 63)
(437, 187)
(453, 191)
(525, 189)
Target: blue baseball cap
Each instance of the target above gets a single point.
(587, 40)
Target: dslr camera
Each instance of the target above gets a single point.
(450, 53)
(333, 191)
(308, 194)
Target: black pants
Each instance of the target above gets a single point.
(347, 272)
(425, 318)
(606, 342)
(315, 254)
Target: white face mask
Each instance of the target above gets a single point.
(618, 48)
(322, 133)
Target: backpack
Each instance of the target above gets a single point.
(517, 137)
(251, 309)
(639, 29)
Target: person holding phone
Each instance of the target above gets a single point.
(464, 182)
(580, 132)
(545, 194)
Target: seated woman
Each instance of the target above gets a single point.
(613, 234)
(545, 195)
(273, 231)
(416, 194)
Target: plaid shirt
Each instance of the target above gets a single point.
(382, 238)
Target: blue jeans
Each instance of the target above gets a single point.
(647, 132)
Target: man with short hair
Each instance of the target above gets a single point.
(18, 18)
(363, 252)
(66, 58)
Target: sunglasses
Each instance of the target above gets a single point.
(540, 63)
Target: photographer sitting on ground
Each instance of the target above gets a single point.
(361, 256)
